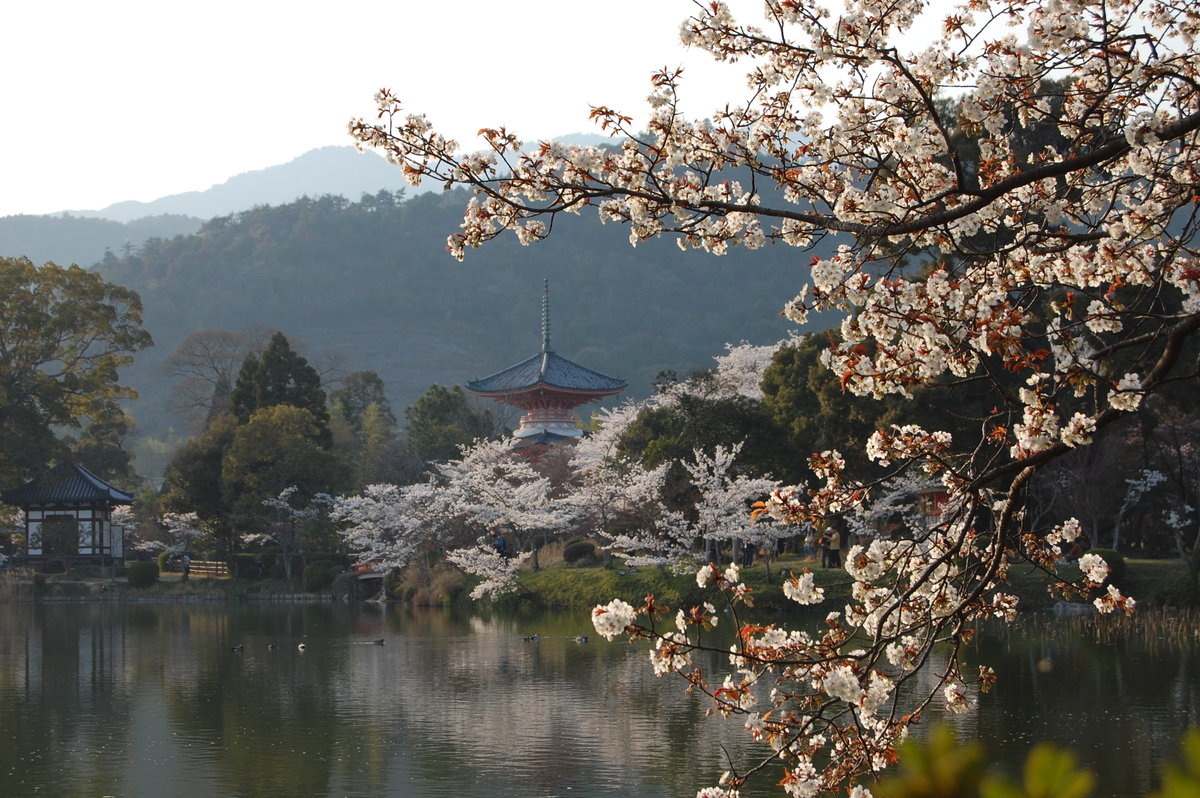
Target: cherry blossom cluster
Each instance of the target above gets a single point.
(1009, 197)
(808, 682)
(800, 505)
(386, 525)
(1066, 532)
(611, 492)
(832, 697)
(181, 529)
(911, 598)
(907, 442)
(500, 491)
(497, 574)
(458, 513)
(740, 369)
(1094, 568)
(612, 619)
(721, 514)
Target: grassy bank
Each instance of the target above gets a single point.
(1153, 583)
(558, 586)
(24, 586)
(580, 588)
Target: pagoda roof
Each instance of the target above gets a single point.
(547, 370)
(68, 483)
(543, 438)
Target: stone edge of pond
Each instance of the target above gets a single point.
(191, 598)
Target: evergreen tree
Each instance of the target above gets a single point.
(442, 421)
(101, 448)
(280, 376)
(382, 458)
(365, 435)
(359, 391)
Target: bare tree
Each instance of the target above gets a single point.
(205, 365)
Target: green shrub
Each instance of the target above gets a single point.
(580, 550)
(319, 575)
(165, 558)
(141, 574)
(345, 587)
(1116, 564)
(341, 560)
(942, 766)
(393, 582)
(245, 566)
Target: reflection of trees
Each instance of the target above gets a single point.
(1132, 680)
(64, 664)
(267, 716)
(150, 700)
(477, 703)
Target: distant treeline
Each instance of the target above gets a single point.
(371, 281)
(68, 239)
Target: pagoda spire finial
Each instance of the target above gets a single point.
(546, 316)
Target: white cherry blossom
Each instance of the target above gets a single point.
(1060, 276)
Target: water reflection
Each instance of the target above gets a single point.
(154, 700)
(149, 700)
(1120, 691)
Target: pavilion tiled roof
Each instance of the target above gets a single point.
(550, 369)
(64, 484)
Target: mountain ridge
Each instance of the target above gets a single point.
(83, 236)
(340, 170)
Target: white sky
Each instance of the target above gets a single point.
(139, 99)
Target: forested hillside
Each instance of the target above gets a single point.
(68, 239)
(371, 282)
(82, 236)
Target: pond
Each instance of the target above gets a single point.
(154, 700)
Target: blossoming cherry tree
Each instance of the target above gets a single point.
(1008, 200)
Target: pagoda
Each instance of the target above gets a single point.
(547, 387)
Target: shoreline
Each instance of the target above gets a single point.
(1152, 583)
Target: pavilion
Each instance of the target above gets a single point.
(547, 387)
(68, 519)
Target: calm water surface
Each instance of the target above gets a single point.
(151, 700)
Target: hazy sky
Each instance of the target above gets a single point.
(138, 99)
